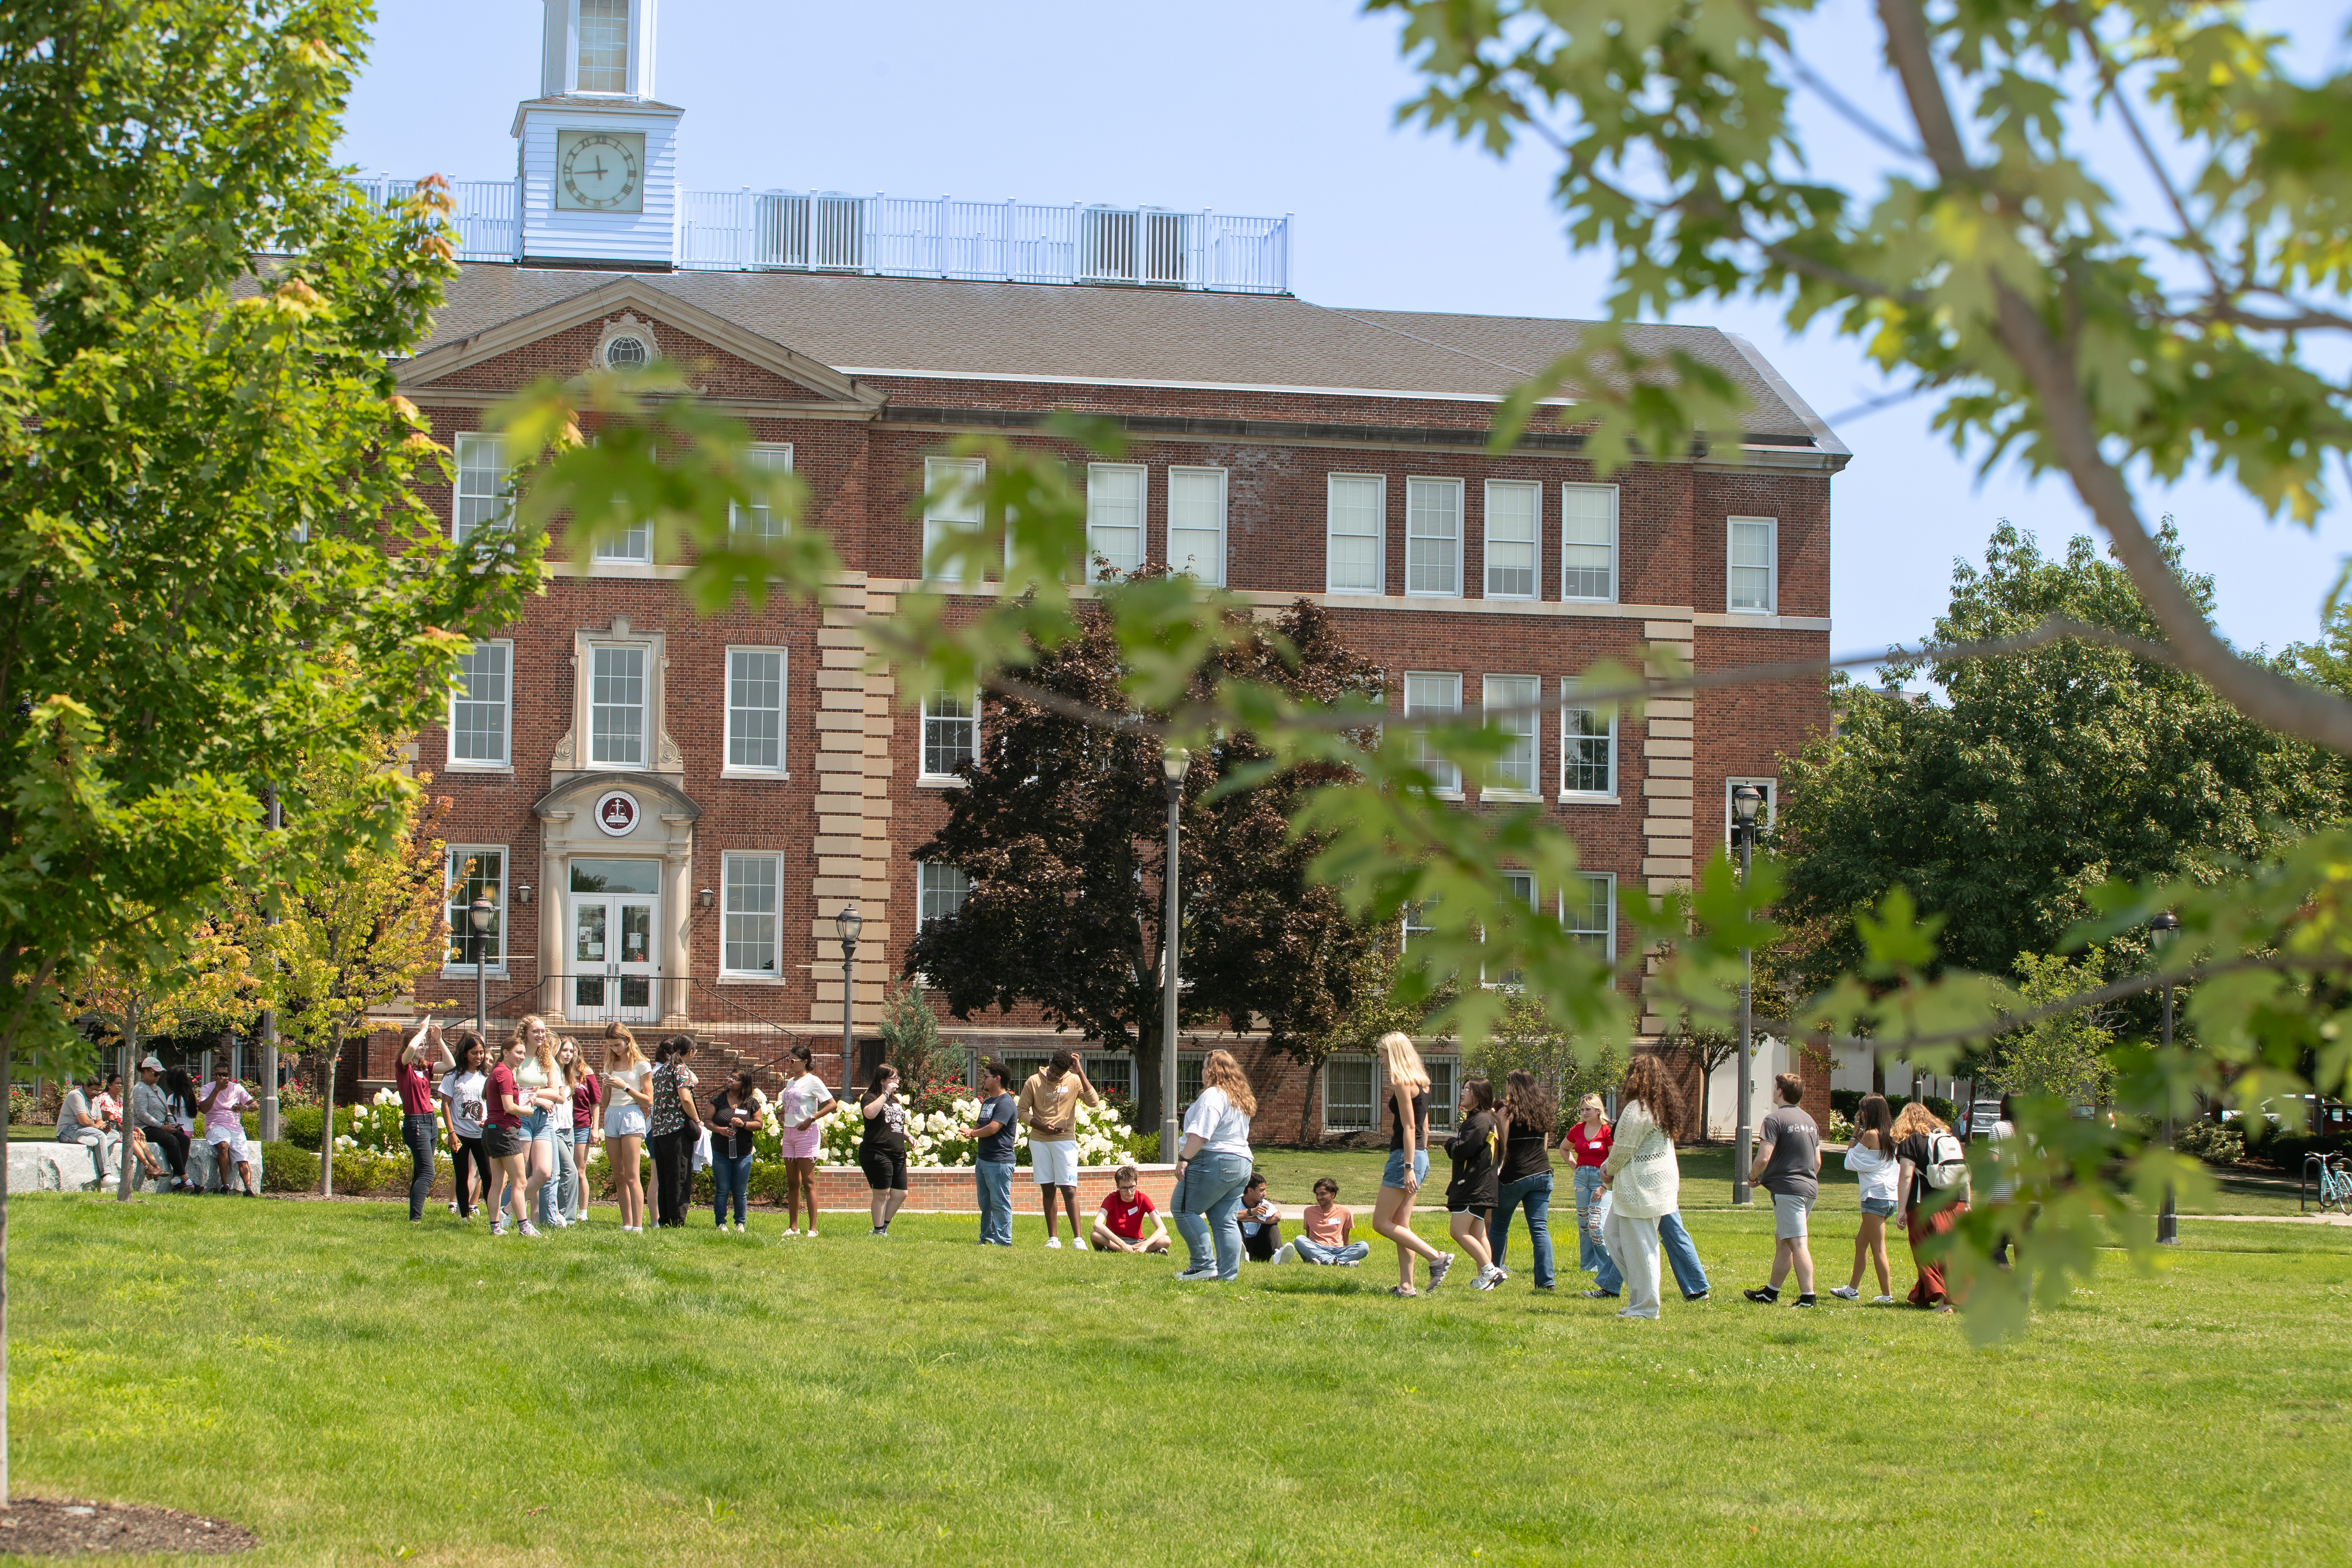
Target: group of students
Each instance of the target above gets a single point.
(160, 1126)
(527, 1119)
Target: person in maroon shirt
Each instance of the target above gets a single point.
(503, 1139)
(587, 1094)
(1589, 1140)
(421, 1062)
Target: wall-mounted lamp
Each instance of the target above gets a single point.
(522, 892)
(707, 898)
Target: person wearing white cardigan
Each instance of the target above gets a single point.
(1643, 1178)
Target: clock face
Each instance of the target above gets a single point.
(600, 171)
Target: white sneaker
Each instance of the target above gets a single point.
(1881, 1301)
(1054, 1242)
(1488, 1277)
(812, 1233)
(1845, 1292)
(1079, 1242)
(1286, 1254)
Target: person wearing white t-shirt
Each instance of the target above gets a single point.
(628, 1107)
(805, 1105)
(1213, 1168)
(461, 1093)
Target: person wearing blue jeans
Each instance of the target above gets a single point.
(993, 1167)
(1588, 1140)
(1682, 1256)
(734, 1121)
(1526, 1114)
(1213, 1168)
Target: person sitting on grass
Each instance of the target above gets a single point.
(1261, 1222)
(1118, 1224)
(1323, 1227)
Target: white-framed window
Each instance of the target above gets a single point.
(950, 735)
(755, 710)
(617, 706)
(748, 937)
(1514, 538)
(1351, 1095)
(1433, 538)
(1196, 524)
(476, 872)
(1587, 542)
(1428, 692)
(634, 542)
(481, 490)
(1445, 1089)
(1588, 746)
(1356, 524)
(1588, 908)
(1114, 517)
(757, 522)
(1414, 922)
(1188, 1079)
(1523, 889)
(481, 707)
(604, 46)
(1752, 577)
(942, 889)
(1513, 772)
(954, 503)
(1766, 813)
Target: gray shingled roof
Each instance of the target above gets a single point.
(868, 326)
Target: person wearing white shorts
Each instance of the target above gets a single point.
(1048, 1108)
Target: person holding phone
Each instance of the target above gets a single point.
(464, 1095)
(735, 1120)
(882, 1152)
(628, 1109)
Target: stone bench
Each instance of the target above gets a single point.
(73, 1168)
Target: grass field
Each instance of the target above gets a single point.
(359, 1392)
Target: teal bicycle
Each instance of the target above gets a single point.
(2335, 1183)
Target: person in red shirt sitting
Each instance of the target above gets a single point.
(1589, 1140)
(1119, 1227)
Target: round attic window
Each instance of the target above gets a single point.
(626, 354)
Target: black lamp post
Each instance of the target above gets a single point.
(1173, 763)
(1744, 801)
(2163, 928)
(848, 922)
(478, 915)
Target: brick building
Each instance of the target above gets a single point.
(668, 810)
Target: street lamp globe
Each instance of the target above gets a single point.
(1174, 762)
(480, 914)
(2164, 926)
(1746, 801)
(849, 922)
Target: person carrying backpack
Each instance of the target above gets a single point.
(1932, 1185)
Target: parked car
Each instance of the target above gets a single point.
(1978, 1119)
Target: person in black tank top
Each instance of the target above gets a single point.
(1528, 1116)
(1408, 1097)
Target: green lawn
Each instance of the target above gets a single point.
(354, 1389)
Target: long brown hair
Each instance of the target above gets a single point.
(1527, 1102)
(620, 1052)
(1647, 1081)
(1874, 1115)
(1221, 1071)
(1917, 1117)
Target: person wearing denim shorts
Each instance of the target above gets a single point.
(1871, 1156)
(1408, 1166)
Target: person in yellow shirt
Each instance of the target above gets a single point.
(1048, 1108)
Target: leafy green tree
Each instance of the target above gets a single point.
(1524, 1036)
(212, 558)
(2022, 782)
(2065, 1055)
(1062, 831)
(927, 1066)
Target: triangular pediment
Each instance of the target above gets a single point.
(817, 384)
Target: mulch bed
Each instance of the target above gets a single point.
(60, 1526)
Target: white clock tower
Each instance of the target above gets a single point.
(598, 155)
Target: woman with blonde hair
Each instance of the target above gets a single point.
(540, 1078)
(1588, 1142)
(1642, 1179)
(1408, 1164)
(1917, 1132)
(628, 1102)
(1213, 1168)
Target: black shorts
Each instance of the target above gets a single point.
(885, 1169)
(1484, 1211)
(503, 1143)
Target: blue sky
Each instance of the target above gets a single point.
(1272, 106)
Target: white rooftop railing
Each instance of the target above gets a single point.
(912, 237)
(1002, 242)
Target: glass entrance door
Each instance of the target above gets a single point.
(613, 961)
